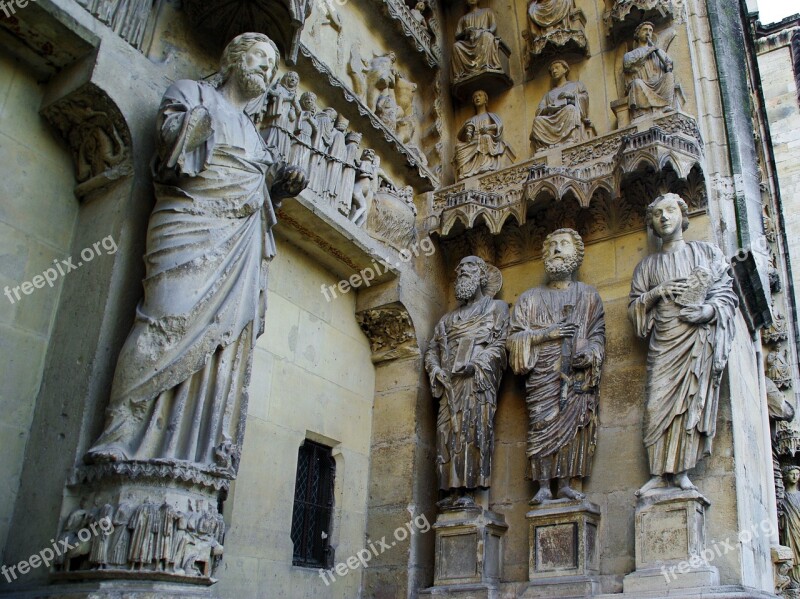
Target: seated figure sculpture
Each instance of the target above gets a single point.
(477, 47)
(562, 115)
(649, 76)
(480, 145)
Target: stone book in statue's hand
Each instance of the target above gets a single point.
(699, 282)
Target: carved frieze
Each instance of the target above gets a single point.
(608, 165)
(390, 332)
(413, 25)
(97, 135)
(412, 154)
(130, 19)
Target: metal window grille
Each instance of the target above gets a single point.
(313, 506)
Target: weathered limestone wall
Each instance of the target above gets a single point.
(37, 216)
(312, 379)
(783, 111)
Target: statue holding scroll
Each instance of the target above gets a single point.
(465, 362)
(557, 341)
(180, 386)
(682, 297)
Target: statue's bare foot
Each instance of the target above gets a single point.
(567, 492)
(544, 494)
(655, 481)
(682, 481)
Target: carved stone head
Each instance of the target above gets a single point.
(644, 32)
(479, 98)
(308, 101)
(666, 213)
(558, 68)
(472, 274)
(791, 474)
(290, 80)
(563, 252)
(253, 59)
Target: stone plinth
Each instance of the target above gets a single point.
(468, 549)
(563, 549)
(670, 544)
(492, 81)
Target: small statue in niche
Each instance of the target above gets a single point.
(465, 361)
(557, 340)
(553, 22)
(386, 110)
(790, 519)
(682, 298)
(337, 155)
(778, 369)
(648, 73)
(480, 146)
(323, 136)
(368, 177)
(304, 131)
(477, 47)
(345, 195)
(281, 112)
(357, 67)
(404, 95)
(381, 77)
(563, 114)
(418, 13)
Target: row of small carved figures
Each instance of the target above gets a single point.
(149, 537)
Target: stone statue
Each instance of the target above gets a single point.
(386, 110)
(337, 155)
(304, 131)
(404, 96)
(381, 77)
(180, 387)
(480, 145)
(549, 15)
(356, 68)
(367, 182)
(778, 369)
(323, 137)
(345, 195)
(465, 361)
(790, 519)
(649, 77)
(683, 298)
(477, 47)
(281, 113)
(557, 340)
(418, 13)
(563, 114)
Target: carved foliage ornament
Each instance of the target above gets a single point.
(390, 332)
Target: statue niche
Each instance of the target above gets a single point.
(554, 27)
(480, 147)
(563, 113)
(479, 57)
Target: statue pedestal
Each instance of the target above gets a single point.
(469, 550)
(670, 544)
(563, 554)
(492, 81)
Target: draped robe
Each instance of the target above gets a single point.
(650, 84)
(282, 111)
(476, 47)
(548, 14)
(180, 386)
(482, 153)
(465, 422)
(790, 529)
(561, 442)
(556, 120)
(685, 360)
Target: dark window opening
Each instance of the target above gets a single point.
(313, 506)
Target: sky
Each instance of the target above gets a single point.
(771, 11)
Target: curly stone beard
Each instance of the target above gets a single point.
(252, 82)
(466, 286)
(563, 270)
